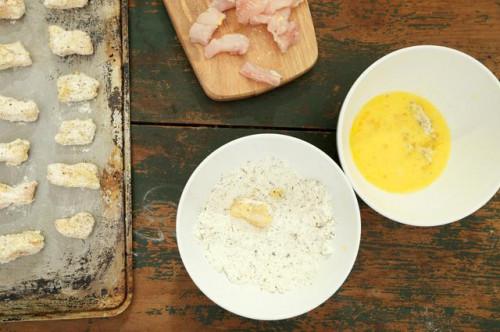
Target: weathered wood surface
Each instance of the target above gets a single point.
(405, 278)
(351, 35)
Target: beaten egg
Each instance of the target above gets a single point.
(400, 142)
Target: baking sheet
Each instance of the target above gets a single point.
(68, 275)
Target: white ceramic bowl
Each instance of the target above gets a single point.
(250, 301)
(468, 96)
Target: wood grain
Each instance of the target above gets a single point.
(219, 76)
(351, 35)
(405, 278)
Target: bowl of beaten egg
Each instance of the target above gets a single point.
(419, 135)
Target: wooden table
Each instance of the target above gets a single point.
(443, 278)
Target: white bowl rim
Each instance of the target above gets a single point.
(488, 196)
(357, 222)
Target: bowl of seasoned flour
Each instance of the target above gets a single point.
(268, 227)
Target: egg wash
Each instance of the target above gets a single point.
(400, 142)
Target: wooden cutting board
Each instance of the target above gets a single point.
(220, 76)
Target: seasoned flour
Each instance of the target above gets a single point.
(286, 254)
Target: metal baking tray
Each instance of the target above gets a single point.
(70, 278)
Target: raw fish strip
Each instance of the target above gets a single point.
(276, 16)
(260, 19)
(274, 13)
(207, 22)
(260, 74)
(223, 5)
(232, 43)
(246, 9)
(201, 34)
(285, 33)
(211, 16)
(278, 23)
(289, 38)
(275, 5)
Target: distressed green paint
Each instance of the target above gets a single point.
(154, 312)
(415, 277)
(405, 278)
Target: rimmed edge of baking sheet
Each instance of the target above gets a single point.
(127, 199)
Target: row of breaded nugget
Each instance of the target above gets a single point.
(72, 88)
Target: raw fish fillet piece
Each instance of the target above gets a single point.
(246, 9)
(223, 5)
(260, 19)
(211, 16)
(231, 43)
(275, 5)
(285, 33)
(278, 24)
(289, 38)
(201, 34)
(207, 22)
(259, 74)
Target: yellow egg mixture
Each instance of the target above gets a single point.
(400, 142)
